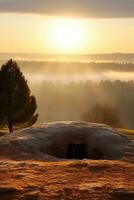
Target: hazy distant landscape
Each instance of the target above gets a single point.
(66, 68)
(107, 57)
(67, 90)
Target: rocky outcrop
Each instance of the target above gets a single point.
(56, 141)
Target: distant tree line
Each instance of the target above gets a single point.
(69, 68)
(17, 105)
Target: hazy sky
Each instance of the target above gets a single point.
(90, 8)
(41, 26)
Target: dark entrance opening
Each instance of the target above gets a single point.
(97, 154)
(77, 151)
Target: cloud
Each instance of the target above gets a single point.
(79, 8)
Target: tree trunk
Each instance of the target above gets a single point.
(10, 126)
(10, 123)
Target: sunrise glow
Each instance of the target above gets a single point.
(67, 35)
(58, 35)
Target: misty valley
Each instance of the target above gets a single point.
(67, 91)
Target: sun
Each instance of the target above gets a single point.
(67, 36)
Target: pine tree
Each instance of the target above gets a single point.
(17, 105)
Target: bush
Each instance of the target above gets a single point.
(103, 113)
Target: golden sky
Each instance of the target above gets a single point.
(32, 33)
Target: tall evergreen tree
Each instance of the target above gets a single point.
(17, 105)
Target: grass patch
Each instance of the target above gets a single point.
(128, 133)
(3, 130)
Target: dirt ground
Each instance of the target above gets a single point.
(66, 180)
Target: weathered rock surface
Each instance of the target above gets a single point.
(49, 142)
(66, 180)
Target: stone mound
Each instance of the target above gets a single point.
(66, 140)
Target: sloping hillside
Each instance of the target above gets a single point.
(30, 178)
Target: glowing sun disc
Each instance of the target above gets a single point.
(68, 35)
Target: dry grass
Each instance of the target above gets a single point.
(128, 133)
(3, 130)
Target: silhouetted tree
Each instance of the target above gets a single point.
(17, 105)
(103, 113)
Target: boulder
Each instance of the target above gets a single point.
(66, 140)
